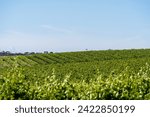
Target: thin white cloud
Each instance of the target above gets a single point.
(14, 32)
(21, 41)
(56, 29)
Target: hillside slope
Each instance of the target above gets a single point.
(74, 57)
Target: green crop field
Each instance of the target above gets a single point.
(87, 75)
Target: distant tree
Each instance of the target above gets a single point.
(26, 53)
(32, 52)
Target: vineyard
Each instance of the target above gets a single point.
(86, 75)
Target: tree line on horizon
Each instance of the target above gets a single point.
(8, 53)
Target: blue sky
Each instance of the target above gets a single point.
(74, 25)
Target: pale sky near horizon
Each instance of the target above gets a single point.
(74, 25)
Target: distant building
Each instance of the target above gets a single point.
(45, 52)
